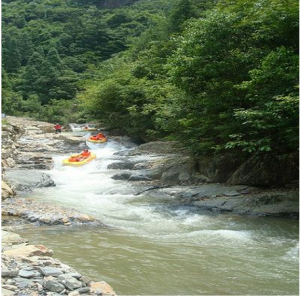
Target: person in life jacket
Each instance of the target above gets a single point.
(100, 136)
(85, 153)
(57, 128)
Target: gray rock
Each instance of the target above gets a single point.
(24, 283)
(120, 165)
(45, 181)
(267, 171)
(161, 147)
(140, 166)
(170, 176)
(83, 290)
(27, 179)
(86, 279)
(47, 271)
(10, 287)
(184, 177)
(121, 176)
(69, 281)
(154, 173)
(28, 274)
(138, 177)
(262, 204)
(5, 292)
(76, 275)
(54, 286)
(9, 272)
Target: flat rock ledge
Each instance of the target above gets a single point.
(242, 199)
(45, 214)
(30, 270)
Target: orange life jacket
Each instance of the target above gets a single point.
(85, 154)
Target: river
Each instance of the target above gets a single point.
(159, 247)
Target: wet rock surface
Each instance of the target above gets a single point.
(236, 199)
(172, 176)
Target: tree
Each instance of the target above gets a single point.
(11, 56)
(182, 11)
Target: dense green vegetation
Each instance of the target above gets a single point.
(217, 75)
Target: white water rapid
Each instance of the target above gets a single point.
(161, 248)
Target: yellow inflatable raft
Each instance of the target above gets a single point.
(78, 160)
(95, 139)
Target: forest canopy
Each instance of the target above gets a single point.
(215, 75)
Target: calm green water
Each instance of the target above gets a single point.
(156, 247)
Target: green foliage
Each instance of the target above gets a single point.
(240, 79)
(182, 11)
(216, 75)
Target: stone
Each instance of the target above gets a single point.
(69, 281)
(6, 190)
(20, 178)
(83, 290)
(65, 220)
(140, 166)
(28, 274)
(184, 177)
(24, 283)
(84, 218)
(138, 177)
(74, 293)
(54, 286)
(161, 147)
(10, 237)
(121, 176)
(28, 251)
(102, 287)
(120, 165)
(9, 287)
(5, 292)
(50, 271)
(9, 272)
(170, 176)
(76, 275)
(86, 279)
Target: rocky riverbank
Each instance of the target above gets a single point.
(27, 149)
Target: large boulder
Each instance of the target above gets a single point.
(161, 147)
(70, 139)
(28, 179)
(217, 168)
(176, 169)
(267, 171)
